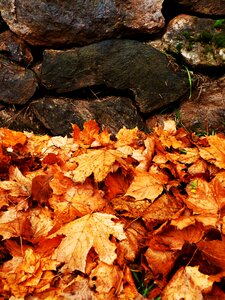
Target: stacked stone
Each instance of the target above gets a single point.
(64, 62)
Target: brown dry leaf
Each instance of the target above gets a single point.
(130, 247)
(41, 222)
(92, 230)
(105, 278)
(201, 197)
(215, 152)
(198, 167)
(147, 185)
(167, 137)
(172, 239)
(18, 184)
(85, 198)
(71, 200)
(88, 135)
(41, 190)
(99, 162)
(160, 262)
(218, 187)
(60, 183)
(117, 184)
(161, 210)
(214, 251)
(129, 207)
(186, 156)
(13, 223)
(78, 289)
(189, 284)
(207, 220)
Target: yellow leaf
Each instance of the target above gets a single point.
(188, 283)
(92, 230)
(98, 162)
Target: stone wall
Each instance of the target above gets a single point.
(121, 62)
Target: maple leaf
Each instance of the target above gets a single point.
(41, 222)
(198, 167)
(214, 251)
(41, 190)
(117, 184)
(98, 162)
(187, 283)
(166, 135)
(105, 278)
(88, 134)
(161, 262)
(77, 200)
(147, 185)
(201, 197)
(18, 184)
(13, 223)
(161, 210)
(77, 289)
(215, 152)
(92, 230)
(129, 137)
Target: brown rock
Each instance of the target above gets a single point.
(53, 23)
(14, 48)
(17, 83)
(200, 41)
(119, 64)
(20, 120)
(206, 112)
(57, 114)
(207, 7)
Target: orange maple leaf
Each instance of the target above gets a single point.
(201, 197)
(215, 152)
(10, 138)
(24, 274)
(147, 185)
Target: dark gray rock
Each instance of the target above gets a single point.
(57, 114)
(207, 7)
(17, 84)
(15, 48)
(119, 64)
(200, 41)
(20, 120)
(53, 23)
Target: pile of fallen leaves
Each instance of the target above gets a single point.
(82, 217)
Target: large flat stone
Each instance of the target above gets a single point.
(207, 7)
(57, 114)
(119, 64)
(54, 23)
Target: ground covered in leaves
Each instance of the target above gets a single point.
(96, 217)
